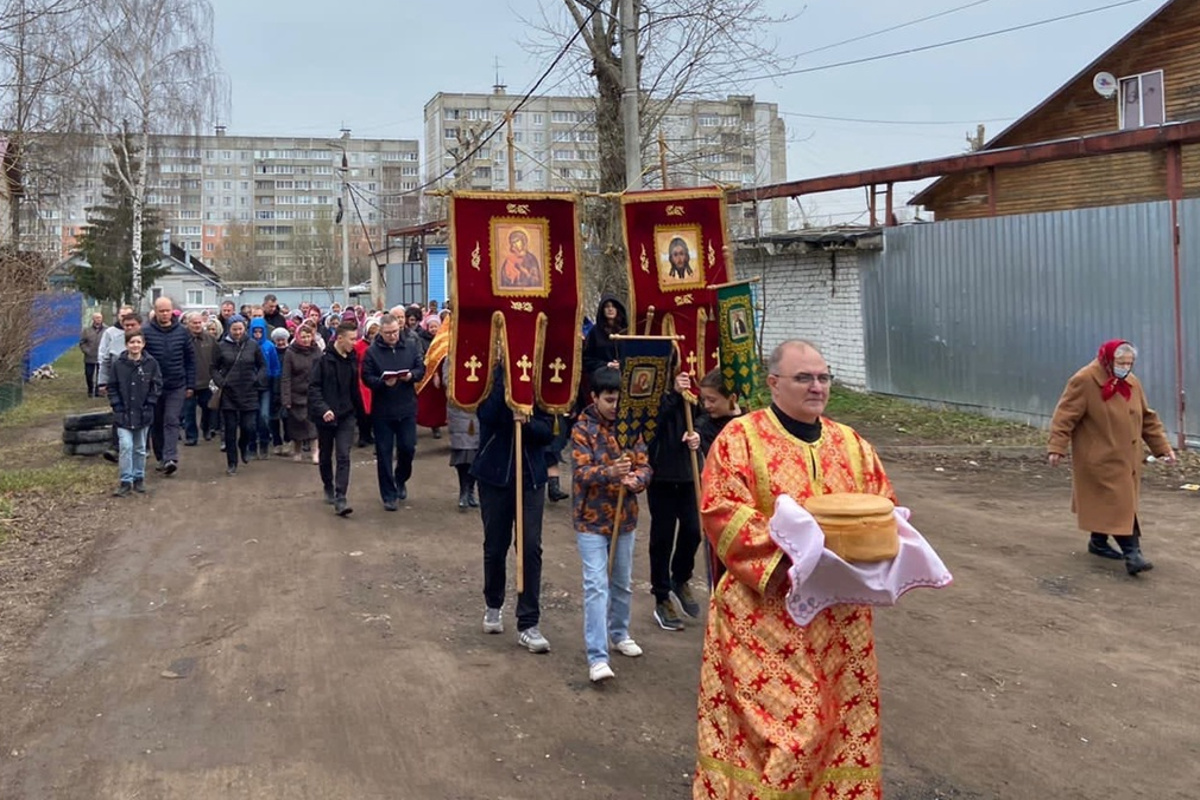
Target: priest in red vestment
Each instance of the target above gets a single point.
(785, 712)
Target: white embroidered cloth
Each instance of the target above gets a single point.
(820, 579)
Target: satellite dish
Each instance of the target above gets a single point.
(1105, 85)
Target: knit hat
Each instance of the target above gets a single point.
(279, 334)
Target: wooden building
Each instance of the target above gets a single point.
(1157, 71)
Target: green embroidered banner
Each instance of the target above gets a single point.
(645, 377)
(739, 343)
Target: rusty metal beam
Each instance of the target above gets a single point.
(419, 230)
(1179, 133)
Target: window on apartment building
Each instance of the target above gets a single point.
(210, 185)
(520, 175)
(451, 113)
(538, 137)
(539, 119)
(562, 116)
(195, 297)
(227, 185)
(1142, 101)
(709, 120)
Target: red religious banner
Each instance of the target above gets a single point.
(516, 291)
(676, 241)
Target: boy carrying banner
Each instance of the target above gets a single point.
(602, 474)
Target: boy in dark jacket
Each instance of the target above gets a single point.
(133, 390)
(333, 402)
(600, 472)
(673, 507)
(494, 470)
(392, 366)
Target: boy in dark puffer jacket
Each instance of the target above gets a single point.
(133, 390)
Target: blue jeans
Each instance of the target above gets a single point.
(606, 601)
(132, 460)
(267, 432)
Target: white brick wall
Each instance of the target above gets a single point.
(804, 300)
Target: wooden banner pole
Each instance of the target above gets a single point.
(662, 157)
(518, 438)
(734, 283)
(696, 484)
(649, 319)
(612, 547)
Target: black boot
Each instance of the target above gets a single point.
(1098, 546)
(554, 490)
(462, 490)
(471, 501)
(1131, 546)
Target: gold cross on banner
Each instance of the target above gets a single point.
(473, 365)
(525, 364)
(691, 360)
(557, 366)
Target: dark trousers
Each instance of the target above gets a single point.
(164, 433)
(335, 441)
(365, 427)
(90, 373)
(234, 422)
(672, 557)
(395, 446)
(498, 505)
(197, 402)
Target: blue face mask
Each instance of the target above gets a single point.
(1122, 372)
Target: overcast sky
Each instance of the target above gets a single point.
(299, 67)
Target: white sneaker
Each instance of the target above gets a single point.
(533, 641)
(493, 622)
(600, 672)
(628, 647)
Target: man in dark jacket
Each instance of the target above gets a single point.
(171, 345)
(271, 313)
(204, 346)
(393, 365)
(89, 343)
(494, 469)
(671, 496)
(333, 403)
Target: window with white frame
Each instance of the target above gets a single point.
(195, 297)
(1142, 104)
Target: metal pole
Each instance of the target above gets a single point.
(629, 95)
(512, 153)
(345, 231)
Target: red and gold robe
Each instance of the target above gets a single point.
(786, 712)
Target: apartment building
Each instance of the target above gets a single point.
(736, 141)
(261, 209)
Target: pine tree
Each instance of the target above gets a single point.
(106, 243)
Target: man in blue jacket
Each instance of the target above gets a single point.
(494, 469)
(266, 393)
(170, 344)
(392, 367)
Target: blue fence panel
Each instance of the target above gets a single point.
(437, 257)
(58, 320)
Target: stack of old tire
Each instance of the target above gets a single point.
(87, 434)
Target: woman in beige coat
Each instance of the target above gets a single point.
(1103, 418)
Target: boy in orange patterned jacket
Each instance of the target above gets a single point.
(600, 470)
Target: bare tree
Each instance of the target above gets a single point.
(685, 48)
(42, 56)
(155, 72)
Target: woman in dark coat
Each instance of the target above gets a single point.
(239, 369)
(297, 368)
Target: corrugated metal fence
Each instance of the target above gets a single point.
(996, 314)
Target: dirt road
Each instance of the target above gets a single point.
(232, 639)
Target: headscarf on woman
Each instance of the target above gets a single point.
(1114, 385)
(438, 350)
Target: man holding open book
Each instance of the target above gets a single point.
(392, 367)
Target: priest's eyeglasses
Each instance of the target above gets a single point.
(807, 378)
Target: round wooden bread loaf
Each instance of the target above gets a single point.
(858, 527)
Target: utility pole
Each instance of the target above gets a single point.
(344, 214)
(629, 95)
(512, 154)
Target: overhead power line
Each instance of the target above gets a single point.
(937, 45)
(894, 121)
(882, 31)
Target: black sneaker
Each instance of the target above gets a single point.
(190, 443)
(111, 456)
(160, 466)
(169, 468)
(402, 492)
(341, 508)
(231, 471)
(687, 601)
(139, 486)
(665, 616)
(123, 490)
(390, 505)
